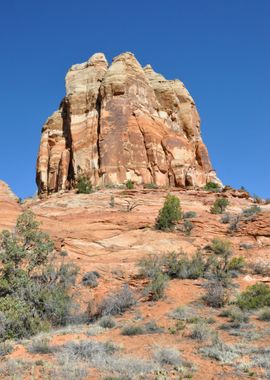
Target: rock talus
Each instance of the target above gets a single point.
(120, 122)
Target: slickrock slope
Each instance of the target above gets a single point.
(9, 207)
(122, 122)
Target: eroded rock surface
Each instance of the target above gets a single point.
(9, 207)
(122, 122)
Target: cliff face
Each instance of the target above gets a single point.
(122, 122)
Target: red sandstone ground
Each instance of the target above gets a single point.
(111, 240)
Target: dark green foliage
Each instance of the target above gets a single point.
(178, 265)
(129, 184)
(83, 184)
(33, 291)
(219, 206)
(211, 186)
(254, 297)
(170, 214)
(237, 263)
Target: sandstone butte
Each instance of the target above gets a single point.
(122, 122)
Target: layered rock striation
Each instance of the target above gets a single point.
(122, 122)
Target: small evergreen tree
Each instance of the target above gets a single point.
(83, 184)
(34, 292)
(170, 213)
(219, 206)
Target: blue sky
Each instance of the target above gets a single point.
(218, 48)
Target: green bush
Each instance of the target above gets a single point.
(219, 206)
(178, 265)
(254, 297)
(218, 262)
(211, 186)
(170, 214)
(83, 184)
(237, 263)
(157, 286)
(34, 292)
(129, 184)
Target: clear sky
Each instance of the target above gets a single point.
(220, 49)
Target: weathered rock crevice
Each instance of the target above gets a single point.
(122, 122)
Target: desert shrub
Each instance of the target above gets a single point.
(132, 330)
(90, 279)
(226, 218)
(211, 186)
(237, 317)
(200, 331)
(34, 293)
(219, 206)
(264, 314)
(254, 297)
(234, 224)
(189, 215)
(188, 227)
(253, 210)
(157, 286)
(150, 186)
(112, 201)
(95, 330)
(40, 345)
(216, 295)
(5, 348)
(152, 328)
(168, 356)
(262, 267)
(107, 322)
(178, 265)
(129, 184)
(218, 262)
(220, 351)
(170, 213)
(181, 313)
(118, 302)
(83, 184)
(87, 349)
(237, 263)
(150, 266)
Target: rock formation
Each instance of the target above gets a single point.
(9, 207)
(122, 122)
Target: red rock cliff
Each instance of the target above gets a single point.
(122, 122)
